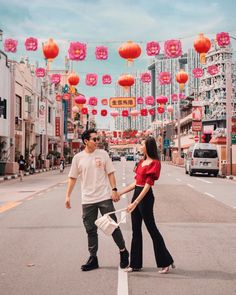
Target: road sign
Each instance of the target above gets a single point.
(233, 137)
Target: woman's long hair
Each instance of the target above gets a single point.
(151, 148)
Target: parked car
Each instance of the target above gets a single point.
(203, 158)
(129, 157)
(116, 158)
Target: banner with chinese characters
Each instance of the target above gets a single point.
(122, 102)
(57, 126)
(42, 116)
(197, 115)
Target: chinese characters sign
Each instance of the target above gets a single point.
(122, 102)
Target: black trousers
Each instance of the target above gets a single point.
(144, 212)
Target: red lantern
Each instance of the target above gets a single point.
(103, 113)
(94, 112)
(181, 78)
(152, 112)
(80, 99)
(114, 114)
(202, 45)
(144, 112)
(174, 97)
(126, 81)
(125, 113)
(73, 79)
(58, 97)
(162, 99)
(50, 49)
(134, 113)
(75, 109)
(66, 96)
(130, 51)
(160, 110)
(170, 109)
(84, 111)
(104, 102)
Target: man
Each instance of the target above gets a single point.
(96, 171)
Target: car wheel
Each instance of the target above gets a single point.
(191, 173)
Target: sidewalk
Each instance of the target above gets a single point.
(37, 171)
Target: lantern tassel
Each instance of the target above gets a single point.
(130, 62)
(202, 58)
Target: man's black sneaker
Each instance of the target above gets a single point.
(91, 264)
(124, 259)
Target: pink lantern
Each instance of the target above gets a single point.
(160, 110)
(94, 112)
(164, 78)
(182, 96)
(91, 79)
(173, 48)
(162, 99)
(144, 112)
(125, 113)
(149, 100)
(31, 44)
(84, 111)
(223, 39)
(103, 113)
(93, 101)
(80, 99)
(40, 72)
(104, 101)
(140, 100)
(152, 112)
(170, 109)
(134, 113)
(196, 138)
(66, 96)
(75, 109)
(152, 48)
(174, 97)
(146, 77)
(114, 114)
(106, 79)
(55, 78)
(197, 72)
(77, 51)
(212, 70)
(10, 45)
(101, 52)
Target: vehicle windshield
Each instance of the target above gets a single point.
(201, 153)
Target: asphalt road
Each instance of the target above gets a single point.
(43, 245)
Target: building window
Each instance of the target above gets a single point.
(49, 114)
(18, 106)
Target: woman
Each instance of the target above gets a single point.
(141, 209)
(21, 163)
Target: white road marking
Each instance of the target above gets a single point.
(178, 179)
(210, 195)
(122, 288)
(40, 194)
(123, 184)
(203, 180)
(190, 185)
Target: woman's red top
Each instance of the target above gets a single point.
(148, 173)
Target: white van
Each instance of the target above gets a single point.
(203, 158)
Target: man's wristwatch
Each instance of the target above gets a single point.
(114, 189)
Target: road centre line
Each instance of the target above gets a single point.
(8, 206)
(210, 195)
(122, 288)
(190, 185)
(203, 180)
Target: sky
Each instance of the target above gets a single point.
(111, 23)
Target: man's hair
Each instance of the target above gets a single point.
(86, 134)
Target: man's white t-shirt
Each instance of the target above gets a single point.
(93, 169)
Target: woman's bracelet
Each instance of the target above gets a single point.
(136, 202)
